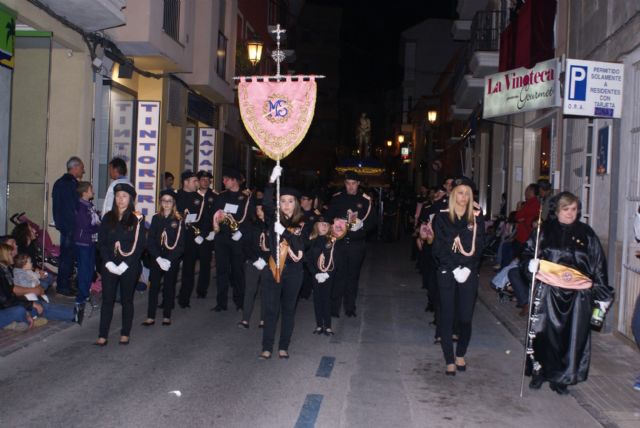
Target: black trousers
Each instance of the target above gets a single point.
(456, 306)
(307, 284)
(192, 253)
(168, 287)
(110, 284)
(345, 286)
(322, 301)
(279, 298)
(229, 270)
(430, 282)
(251, 287)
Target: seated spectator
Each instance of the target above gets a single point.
(23, 274)
(15, 314)
(25, 238)
(36, 308)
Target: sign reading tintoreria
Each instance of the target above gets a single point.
(522, 89)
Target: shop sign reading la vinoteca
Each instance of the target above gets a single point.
(522, 89)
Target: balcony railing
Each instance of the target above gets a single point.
(485, 30)
(221, 56)
(171, 19)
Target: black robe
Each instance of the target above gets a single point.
(561, 321)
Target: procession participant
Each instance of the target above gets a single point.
(256, 253)
(193, 208)
(571, 285)
(457, 250)
(355, 207)
(121, 239)
(232, 210)
(282, 282)
(322, 259)
(209, 195)
(165, 243)
(310, 216)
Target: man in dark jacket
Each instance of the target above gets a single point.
(64, 216)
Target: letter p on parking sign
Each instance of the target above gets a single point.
(577, 82)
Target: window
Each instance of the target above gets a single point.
(171, 19)
(221, 56)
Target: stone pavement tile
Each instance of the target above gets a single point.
(608, 394)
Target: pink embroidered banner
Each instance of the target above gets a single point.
(277, 115)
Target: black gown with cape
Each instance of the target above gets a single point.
(561, 321)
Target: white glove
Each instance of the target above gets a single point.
(259, 264)
(534, 265)
(210, 236)
(111, 267)
(122, 267)
(236, 235)
(322, 277)
(461, 274)
(603, 305)
(357, 225)
(199, 240)
(275, 173)
(164, 264)
(278, 228)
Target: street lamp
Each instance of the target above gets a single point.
(389, 143)
(400, 138)
(432, 116)
(254, 49)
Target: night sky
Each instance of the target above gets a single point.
(371, 36)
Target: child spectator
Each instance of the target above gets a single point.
(85, 237)
(23, 274)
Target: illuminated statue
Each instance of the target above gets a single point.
(363, 136)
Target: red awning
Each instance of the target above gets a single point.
(528, 39)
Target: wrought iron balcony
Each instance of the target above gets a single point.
(485, 30)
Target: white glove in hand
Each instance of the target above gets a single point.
(321, 277)
(275, 173)
(603, 305)
(199, 240)
(122, 267)
(534, 265)
(278, 228)
(357, 225)
(259, 264)
(210, 236)
(111, 267)
(461, 274)
(164, 264)
(237, 235)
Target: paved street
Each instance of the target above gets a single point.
(382, 370)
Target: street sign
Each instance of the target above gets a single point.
(146, 166)
(522, 89)
(593, 88)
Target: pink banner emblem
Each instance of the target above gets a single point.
(277, 115)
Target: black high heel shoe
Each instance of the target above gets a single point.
(265, 355)
(560, 389)
(318, 330)
(450, 372)
(461, 367)
(101, 344)
(328, 332)
(283, 354)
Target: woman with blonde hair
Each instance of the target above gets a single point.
(165, 243)
(457, 249)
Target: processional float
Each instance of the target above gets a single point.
(277, 112)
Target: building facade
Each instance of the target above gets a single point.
(151, 82)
